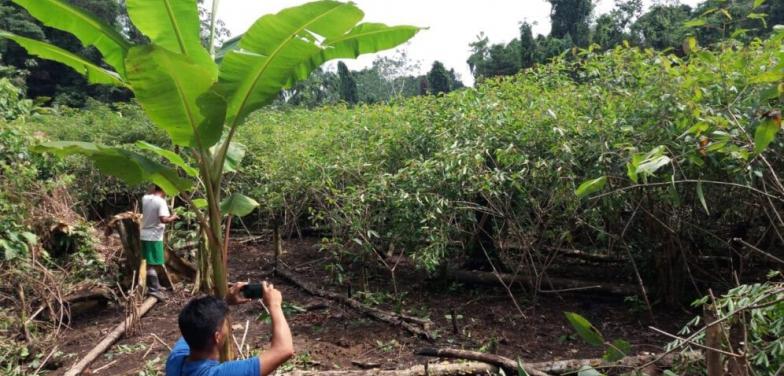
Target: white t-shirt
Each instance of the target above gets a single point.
(153, 208)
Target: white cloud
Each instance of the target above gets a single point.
(452, 24)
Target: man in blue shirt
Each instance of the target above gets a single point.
(202, 324)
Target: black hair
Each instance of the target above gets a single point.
(199, 320)
(156, 188)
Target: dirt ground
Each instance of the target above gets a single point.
(338, 337)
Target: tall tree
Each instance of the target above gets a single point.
(571, 17)
(662, 27)
(527, 46)
(480, 52)
(348, 86)
(438, 79)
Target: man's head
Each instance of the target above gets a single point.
(201, 323)
(156, 190)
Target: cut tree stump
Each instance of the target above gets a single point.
(564, 284)
(128, 227)
(396, 319)
(109, 340)
(433, 369)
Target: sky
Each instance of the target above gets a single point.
(452, 24)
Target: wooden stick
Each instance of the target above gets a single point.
(380, 315)
(105, 366)
(153, 335)
(109, 340)
(43, 363)
(490, 278)
(437, 369)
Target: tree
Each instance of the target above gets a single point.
(438, 79)
(52, 79)
(480, 52)
(570, 17)
(527, 46)
(199, 103)
(662, 27)
(394, 69)
(348, 86)
(321, 88)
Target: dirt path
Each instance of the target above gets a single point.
(336, 336)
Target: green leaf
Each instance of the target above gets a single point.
(701, 197)
(200, 203)
(591, 186)
(227, 46)
(29, 237)
(617, 350)
(769, 77)
(171, 24)
(178, 95)
(170, 156)
(130, 167)
(362, 39)
(757, 4)
(650, 166)
(765, 134)
(238, 205)
(234, 155)
(520, 368)
(86, 27)
(588, 371)
(584, 329)
(93, 73)
(286, 46)
(695, 23)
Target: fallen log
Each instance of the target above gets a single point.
(629, 362)
(403, 321)
(87, 300)
(109, 340)
(509, 365)
(563, 284)
(435, 369)
(559, 366)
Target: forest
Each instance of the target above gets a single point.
(604, 200)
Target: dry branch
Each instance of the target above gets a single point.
(109, 340)
(565, 284)
(378, 314)
(437, 369)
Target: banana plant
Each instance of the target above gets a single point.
(198, 100)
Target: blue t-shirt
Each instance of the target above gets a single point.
(178, 365)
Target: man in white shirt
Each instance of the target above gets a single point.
(155, 215)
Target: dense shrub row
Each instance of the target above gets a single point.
(422, 175)
(438, 177)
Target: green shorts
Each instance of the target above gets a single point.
(152, 251)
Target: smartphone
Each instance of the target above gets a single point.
(252, 291)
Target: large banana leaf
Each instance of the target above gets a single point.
(279, 49)
(177, 94)
(170, 156)
(274, 47)
(363, 39)
(94, 73)
(238, 205)
(171, 24)
(86, 27)
(130, 167)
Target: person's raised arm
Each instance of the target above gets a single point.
(282, 347)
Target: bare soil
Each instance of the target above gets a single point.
(336, 337)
